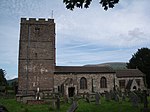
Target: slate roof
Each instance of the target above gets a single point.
(83, 69)
(129, 73)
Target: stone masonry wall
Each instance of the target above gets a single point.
(36, 54)
(60, 78)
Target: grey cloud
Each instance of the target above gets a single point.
(136, 32)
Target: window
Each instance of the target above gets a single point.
(138, 82)
(83, 83)
(122, 83)
(36, 55)
(103, 82)
(58, 88)
(37, 30)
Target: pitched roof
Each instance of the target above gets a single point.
(129, 73)
(83, 69)
(129, 84)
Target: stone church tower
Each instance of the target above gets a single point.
(36, 55)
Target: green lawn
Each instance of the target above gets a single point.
(83, 106)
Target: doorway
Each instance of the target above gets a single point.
(71, 91)
(134, 87)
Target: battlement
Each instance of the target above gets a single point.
(36, 20)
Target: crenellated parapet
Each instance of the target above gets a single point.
(36, 21)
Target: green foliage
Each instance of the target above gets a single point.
(71, 4)
(141, 60)
(3, 81)
(12, 81)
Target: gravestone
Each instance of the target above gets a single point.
(75, 98)
(58, 103)
(123, 97)
(87, 99)
(145, 101)
(112, 95)
(130, 96)
(87, 94)
(66, 99)
(73, 107)
(84, 95)
(41, 95)
(119, 92)
(107, 96)
(116, 97)
(148, 92)
(134, 99)
(97, 98)
(25, 98)
(52, 101)
(3, 109)
(53, 104)
(140, 95)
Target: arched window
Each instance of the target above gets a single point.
(83, 83)
(103, 82)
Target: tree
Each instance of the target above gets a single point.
(15, 86)
(141, 60)
(71, 4)
(3, 81)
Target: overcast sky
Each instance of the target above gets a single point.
(83, 36)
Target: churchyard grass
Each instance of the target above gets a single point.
(105, 106)
(13, 106)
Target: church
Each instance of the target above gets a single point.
(37, 66)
